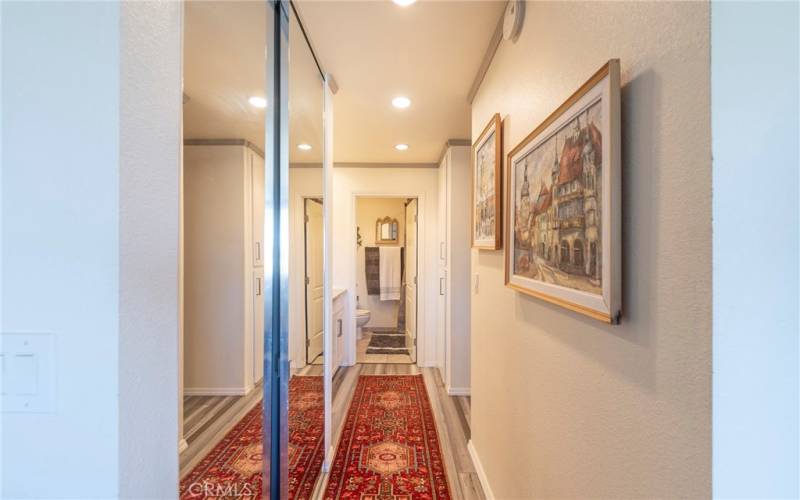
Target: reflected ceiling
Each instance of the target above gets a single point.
(223, 67)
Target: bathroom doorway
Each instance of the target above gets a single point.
(314, 283)
(386, 281)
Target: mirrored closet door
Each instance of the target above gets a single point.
(306, 342)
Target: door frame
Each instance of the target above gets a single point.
(305, 200)
(422, 334)
(416, 285)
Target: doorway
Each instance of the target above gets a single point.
(314, 280)
(386, 281)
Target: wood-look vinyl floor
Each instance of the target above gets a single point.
(451, 415)
(206, 420)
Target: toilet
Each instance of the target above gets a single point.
(362, 318)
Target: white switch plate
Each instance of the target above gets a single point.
(27, 372)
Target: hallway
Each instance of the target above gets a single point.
(558, 302)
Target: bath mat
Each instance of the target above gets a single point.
(387, 343)
(389, 447)
(233, 468)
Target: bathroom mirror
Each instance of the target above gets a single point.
(386, 231)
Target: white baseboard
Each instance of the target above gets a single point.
(182, 445)
(217, 391)
(458, 391)
(473, 453)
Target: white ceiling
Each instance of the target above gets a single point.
(429, 52)
(376, 50)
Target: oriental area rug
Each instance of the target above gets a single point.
(233, 468)
(389, 448)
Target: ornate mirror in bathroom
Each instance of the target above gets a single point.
(386, 231)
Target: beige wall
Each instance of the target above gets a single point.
(368, 211)
(591, 410)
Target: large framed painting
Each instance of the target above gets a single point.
(563, 203)
(487, 187)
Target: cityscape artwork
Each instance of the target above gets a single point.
(563, 203)
(558, 206)
(487, 184)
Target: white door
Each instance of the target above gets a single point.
(258, 324)
(314, 288)
(411, 279)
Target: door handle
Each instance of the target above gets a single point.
(258, 250)
(258, 286)
(441, 286)
(340, 327)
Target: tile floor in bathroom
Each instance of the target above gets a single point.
(363, 357)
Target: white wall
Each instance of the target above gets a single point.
(348, 183)
(588, 409)
(754, 74)
(150, 145)
(90, 179)
(383, 314)
(303, 183)
(60, 243)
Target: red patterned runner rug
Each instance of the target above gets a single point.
(233, 468)
(389, 448)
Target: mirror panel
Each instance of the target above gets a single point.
(306, 428)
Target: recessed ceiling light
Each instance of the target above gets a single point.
(258, 102)
(404, 3)
(304, 146)
(401, 147)
(401, 102)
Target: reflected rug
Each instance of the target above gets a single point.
(233, 468)
(389, 448)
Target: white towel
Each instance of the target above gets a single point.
(390, 273)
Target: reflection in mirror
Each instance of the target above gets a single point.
(306, 396)
(222, 251)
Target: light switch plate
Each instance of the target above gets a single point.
(27, 372)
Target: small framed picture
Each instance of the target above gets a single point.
(564, 200)
(487, 187)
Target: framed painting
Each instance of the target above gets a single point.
(563, 203)
(487, 187)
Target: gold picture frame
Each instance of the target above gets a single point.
(563, 203)
(487, 187)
